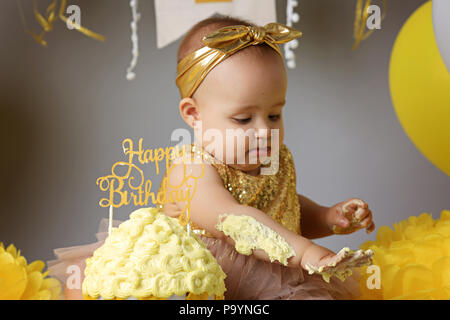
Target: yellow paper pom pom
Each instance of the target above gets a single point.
(13, 277)
(20, 281)
(413, 258)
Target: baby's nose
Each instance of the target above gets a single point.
(263, 133)
(262, 129)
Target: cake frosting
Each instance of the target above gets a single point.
(152, 256)
(343, 268)
(249, 234)
(354, 218)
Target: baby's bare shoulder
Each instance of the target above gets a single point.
(182, 170)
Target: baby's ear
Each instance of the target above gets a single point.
(189, 111)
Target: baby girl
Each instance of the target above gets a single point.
(231, 76)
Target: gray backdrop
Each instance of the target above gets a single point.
(65, 109)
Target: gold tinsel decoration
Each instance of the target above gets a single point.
(359, 26)
(46, 22)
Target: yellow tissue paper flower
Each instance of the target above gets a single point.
(413, 259)
(22, 281)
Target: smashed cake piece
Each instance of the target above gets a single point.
(342, 267)
(249, 234)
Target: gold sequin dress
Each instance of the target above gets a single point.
(275, 194)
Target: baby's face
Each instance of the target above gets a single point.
(244, 92)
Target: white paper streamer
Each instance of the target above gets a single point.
(134, 39)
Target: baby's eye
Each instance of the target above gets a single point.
(275, 117)
(242, 120)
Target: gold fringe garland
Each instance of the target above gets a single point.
(361, 20)
(47, 22)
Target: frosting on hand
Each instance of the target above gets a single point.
(342, 263)
(151, 255)
(249, 234)
(352, 216)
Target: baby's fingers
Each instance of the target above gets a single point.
(353, 204)
(357, 258)
(366, 222)
(361, 214)
(371, 227)
(341, 256)
(364, 258)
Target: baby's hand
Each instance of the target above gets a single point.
(349, 216)
(341, 264)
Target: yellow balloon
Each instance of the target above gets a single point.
(420, 88)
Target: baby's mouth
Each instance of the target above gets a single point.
(261, 153)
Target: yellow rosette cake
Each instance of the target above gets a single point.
(151, 256)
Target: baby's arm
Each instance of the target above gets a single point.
(313, 221)
(211, 200)
(343, 218)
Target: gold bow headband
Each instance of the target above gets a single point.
(221, 44)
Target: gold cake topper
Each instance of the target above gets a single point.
(131, 186)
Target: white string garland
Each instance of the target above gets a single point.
(134, 39)
(291, 17)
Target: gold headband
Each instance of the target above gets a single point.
(221, 44)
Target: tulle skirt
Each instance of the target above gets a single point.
(247, 277)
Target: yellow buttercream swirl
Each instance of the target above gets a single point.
(249, 234)
(151, 255)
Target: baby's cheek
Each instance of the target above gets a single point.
(281, 133)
